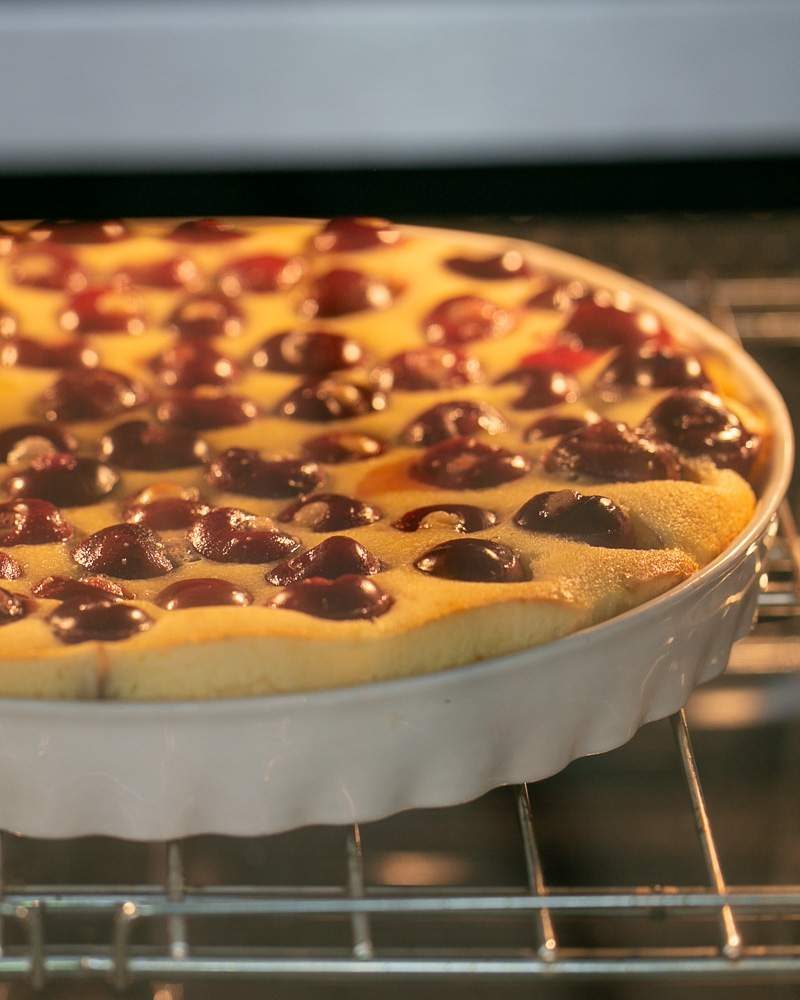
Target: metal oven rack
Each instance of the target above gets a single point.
(148, 931)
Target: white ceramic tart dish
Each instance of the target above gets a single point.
(574, 578)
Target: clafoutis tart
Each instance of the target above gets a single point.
(251, 456)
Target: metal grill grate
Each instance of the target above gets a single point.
(149, 932)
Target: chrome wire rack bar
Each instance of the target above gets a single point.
(149, 931)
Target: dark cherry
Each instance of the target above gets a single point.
(68, 588)
(699, 424)
(348, 233)
(76, 231)
(595, 520)
(243, 470)
(553, 425)
(12, 437)
(612, 452)
(308, 353)
(29, 353)
(466, 318)
(205, 231)
(128, 551)
(10, 569)
(343, 291)
(542, 388)
(31, 522)
(568, 358)
(332, 399)
(468, 464)
(63, 479)
(460, 517)
(455, 418)
(202, 592)
(560, 295)
(336, 556)
(48, 268)
(330, 512)
(137, 444)
(654, 367)
(598, 325)
(496, 267)
(434, 368)
(193, 363)
(13, 607)
(166, 513)
(104, 309)
(93, 620)
(174, 272)
(229, 535)
(94, 394)
(346, 599)
(262, 273)
(343, 446)
(206, 411)
(475, 560)
(206, 315)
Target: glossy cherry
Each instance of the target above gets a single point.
(349, 233)
(612, 452)
(206, 411)
(206, 231)
(495, 267)
(336, 556)
(10, 569)
(468, 464)
(48, 268)
(93, 620)
(65, 480)
(193, 363)
(654, 367)
(455, 418)
(466, 318)
(28, 353)
(559, 295)
(243, 470)
(260, 273)
(330, 512)
(699, 424)
(339, 447)
(600, 325)
(8, 322)
(568, 358)
(67, 588)
(104, 309)
(596, 520)
(475, 560)
(13, 607)
(230, 535)
(555, 425)
(541, 388)
(332, 399)
(94, 394)
(434, 368)
(342, 291)
(77, 231)
(137, 444)
(165, 513)
(314, 352)
(460, 517)
(11, 438)
(128, 551)
(206, 315)
(347, 598)
(174, 272)
(202, 592)
(31, 522)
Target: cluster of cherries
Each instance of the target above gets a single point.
(333, 579)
